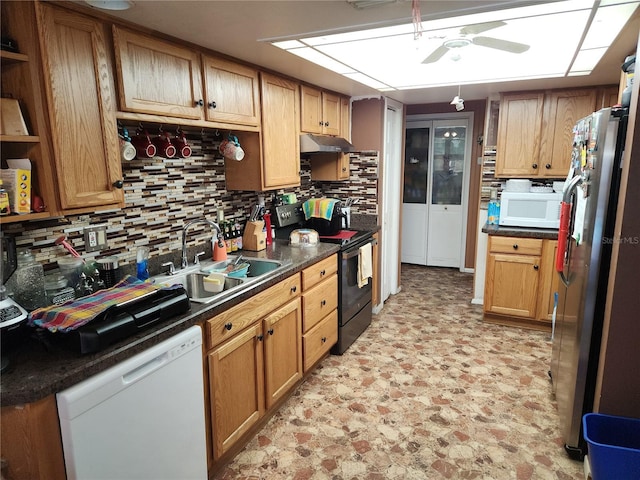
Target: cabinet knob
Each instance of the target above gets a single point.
(326, 124)
(344, 169)
(293, 289)
(118, 184)
(228, 326)
(199, 103)
(212, 105)
(324, 339)
(260, 337)
(323, 303)
(322, 272)
(320, 123)
(515, 246)
(270, 331)
(547, 166)
(536, 267)
(534, 166)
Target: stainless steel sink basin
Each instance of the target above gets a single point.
(192, 277)
(194, 285)
(257, 266)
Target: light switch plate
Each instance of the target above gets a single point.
(95, 238)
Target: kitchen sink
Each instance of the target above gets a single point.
(257, 266)
(192, 277)
(194, 285)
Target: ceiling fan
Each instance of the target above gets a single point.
(464, 40)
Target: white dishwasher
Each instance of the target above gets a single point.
(141, 419)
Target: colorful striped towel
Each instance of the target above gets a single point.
(319, 208)
(75, 313)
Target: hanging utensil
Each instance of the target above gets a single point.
(63, 241)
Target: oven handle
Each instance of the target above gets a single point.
(347, 256)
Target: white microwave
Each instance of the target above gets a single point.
(530, 209)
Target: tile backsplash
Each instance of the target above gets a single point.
(162, 194)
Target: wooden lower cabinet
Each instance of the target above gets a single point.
(236, 379)
(251, 372)
(520, 281)
(31, 443)
(319, 306)
(282, 332)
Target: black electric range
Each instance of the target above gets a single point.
(354, 299)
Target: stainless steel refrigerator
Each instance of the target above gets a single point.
(585, 240)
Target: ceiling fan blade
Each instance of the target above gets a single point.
(480, 27)
(500, 44)
(436, 55)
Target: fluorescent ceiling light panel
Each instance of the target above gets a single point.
(391, 58)
(321, 59)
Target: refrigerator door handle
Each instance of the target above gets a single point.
(563, 231)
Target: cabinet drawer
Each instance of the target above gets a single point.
(227, 324)
(521, 246)
(318, 272)
(320, 339)
(319, 301)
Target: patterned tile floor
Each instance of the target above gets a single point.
(429, 391)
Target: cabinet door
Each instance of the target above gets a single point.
(280, 132)
(157, 77)
(345, 118)
(232, 94)
(236, 377)
(519, 134)
(330, 114)
(511, 286)
(311, 110)
(81, 108)
(282, 350)
(563, 109)
(320, 339)
(550, 281)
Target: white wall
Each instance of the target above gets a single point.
(481, 260)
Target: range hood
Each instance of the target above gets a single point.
(324, 144)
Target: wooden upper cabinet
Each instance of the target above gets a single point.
(320, 111)
(310, 110)
(157, 77)
(519, 132)
(79, 90)
(345, 118)
(535, 131)
(331, 113)
(272, 159)
(280, 132)
(563, 108)
(232, 92)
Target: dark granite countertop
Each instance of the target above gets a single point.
(37, 371)
(505, 231)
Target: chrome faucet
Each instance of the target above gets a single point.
(184, 236)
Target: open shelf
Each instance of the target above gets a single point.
(13, 57)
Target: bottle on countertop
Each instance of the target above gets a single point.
(493, 214)
(239, 239)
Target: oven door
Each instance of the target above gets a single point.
(352, 297)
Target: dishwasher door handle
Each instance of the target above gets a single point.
(145, 369)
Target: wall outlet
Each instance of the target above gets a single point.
(95, 238)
